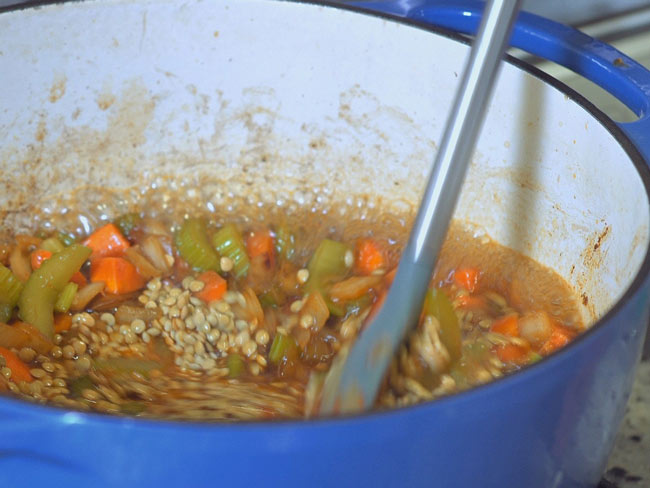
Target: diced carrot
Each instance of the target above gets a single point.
(19, 370)
(472, 302)
(214, 289)
(106, 241)
(62, 322)
(467, 278)
(559, 338)
(79, 279)
(368, 256)
(260, 243)
(119, 275)
(512, 353)
(506, 325)
(38, 256)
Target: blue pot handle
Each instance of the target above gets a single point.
(600, 63)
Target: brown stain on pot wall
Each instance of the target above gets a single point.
(593, 254)
(105, 100)
(41, 131)
(47, 167)
(57, 90)
(593, 258)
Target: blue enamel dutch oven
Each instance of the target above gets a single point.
(551, 425)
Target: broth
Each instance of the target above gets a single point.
(193, 335)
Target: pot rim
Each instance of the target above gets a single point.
(641, 280)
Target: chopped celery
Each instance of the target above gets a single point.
(193, 245)
(336, 309)
(66, 239)
(79, 384)
(132, 407)
(52, 244)
(10, 287)
(534, 357)
(437, 304)
(6, 311)
(285, 243)
(36, 302)
(283, 346)
(230, 244)
(328, 261)
(127, 365)
(358, 305)
(235, 365)
(272, 298)
(127, 222)
(65, 298)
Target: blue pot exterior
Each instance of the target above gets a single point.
(556, 421)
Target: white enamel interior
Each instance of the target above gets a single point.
(316, 104)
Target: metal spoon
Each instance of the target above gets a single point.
(355, 376)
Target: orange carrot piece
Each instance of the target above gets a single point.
(559, 338)
(119, 275)
(19, 370)
(511, 353)
(507, 325)
(260, 243)
(472, 302)
(38, 256)
(79, 279)
(467, 278)
(106, 241)
(62, 322)
(214, 289)
(368, 256)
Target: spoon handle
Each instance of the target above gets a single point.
(353, 381)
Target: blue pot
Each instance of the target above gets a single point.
(550, 425)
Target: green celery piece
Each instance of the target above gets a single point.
(282, 346)
(127, 365)
(52, 244)
(132, 408)
(36, 302)
(79, 384)
(229, 243)
(273, 297)
(326, 264)
(336, 309)
(437, 304)
(127, 222)
(65, 298)
(66, 239)
(10, 287)
(235, 365)
(534, 357)
(328, 261)
(193, 245)
(6, 311)
(285, 243)
(356, 306)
